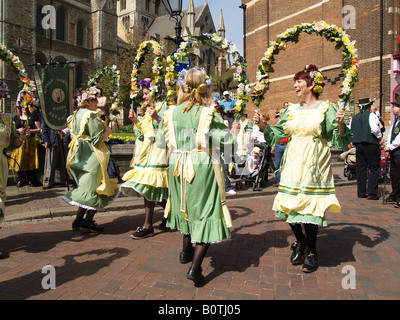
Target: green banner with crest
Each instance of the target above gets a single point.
(55, 86)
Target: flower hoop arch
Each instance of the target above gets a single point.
(218, 42)
(113, 73)
(157, 73)
(332, 33)
(18, 68)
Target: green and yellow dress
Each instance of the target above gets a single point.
(8, 133)
(196, 203)
(87, 162)
(149, 177)
(306, 189)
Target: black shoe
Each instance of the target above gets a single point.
(34, 183)
(363, 196)
(142, 233)
(76, 224)
(90, 225)
(390, 201)
(20, 184)
(373, 197)
(196, 276)
(185, 257)
(310, 263)
(298, 249)
(163, 224)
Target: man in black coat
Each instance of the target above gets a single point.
(367, 140)
(56, 156)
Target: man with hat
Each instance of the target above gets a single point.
(228, 105)
(393, 148)
(367, 139)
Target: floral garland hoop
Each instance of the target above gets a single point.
(218, 42)
(332, 33)
(157, 69)
(113, 73)
(18, 68)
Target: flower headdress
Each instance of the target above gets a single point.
(317, 77)
(146, 83)
(89, 94)
(202, 88)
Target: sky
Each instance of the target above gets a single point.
(233, 18)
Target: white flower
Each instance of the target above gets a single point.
(346, 90)
(216, 38)
(232, 49)
(239, 102)
(259, 76)
(183, 46)
(319, 26)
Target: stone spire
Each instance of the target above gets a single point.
(221, 26)
(191, 17)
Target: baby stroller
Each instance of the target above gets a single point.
(259, 177)
(384, 168)
(349, 158)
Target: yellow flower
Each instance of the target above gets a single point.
(319, 78)
(345, 39)
(351, 48)
(169, 75)
(318, 89)
(290, 116)
(353, 71)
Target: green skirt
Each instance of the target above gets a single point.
(150, 193)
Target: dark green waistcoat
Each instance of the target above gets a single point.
(362, 130)
(395, 132)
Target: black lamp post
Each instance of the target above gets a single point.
(174, 8)
(243, 6)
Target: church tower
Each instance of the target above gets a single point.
(104, 25)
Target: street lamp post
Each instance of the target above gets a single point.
(244, 7)
(174, 8)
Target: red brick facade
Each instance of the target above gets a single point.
(265, 19)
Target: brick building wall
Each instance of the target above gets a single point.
(265, 19)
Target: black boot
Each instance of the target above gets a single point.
(185, 257)
(311, 262)
(76, 224)
(33, 181)
(196, 276)
(20, 180)
(298, 249)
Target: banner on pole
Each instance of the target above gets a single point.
(55, 85)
